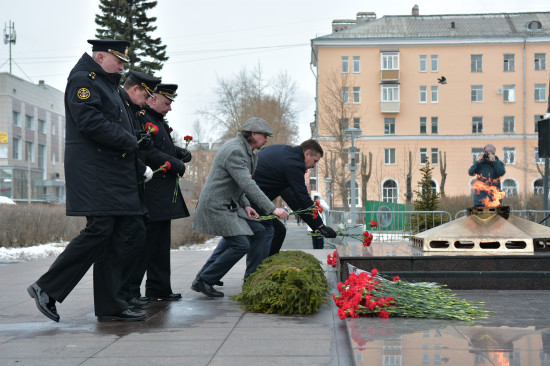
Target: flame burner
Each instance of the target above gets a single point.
(485, 229)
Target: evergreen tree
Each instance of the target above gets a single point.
(128, 20)
(427, 198)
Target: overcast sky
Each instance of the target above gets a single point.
(207, 40)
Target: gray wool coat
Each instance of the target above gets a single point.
(229, 185)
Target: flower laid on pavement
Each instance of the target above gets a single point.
(369, 294)
(187, 139)
(332, 259)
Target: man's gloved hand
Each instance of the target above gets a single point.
(148, 174)
(183, 154)
(144, 139)
(178, 167)
(327, 231)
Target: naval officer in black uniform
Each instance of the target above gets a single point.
(163, 197)
(102, 185)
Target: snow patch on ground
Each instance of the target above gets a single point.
(53, 249)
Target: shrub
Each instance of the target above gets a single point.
(290, 282)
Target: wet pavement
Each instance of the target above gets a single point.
(203, 331)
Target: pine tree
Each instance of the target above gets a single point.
(427, 200)
(128, 20)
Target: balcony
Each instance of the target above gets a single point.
(389, 107)
(389, 75)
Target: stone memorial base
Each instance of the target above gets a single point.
(457, 270)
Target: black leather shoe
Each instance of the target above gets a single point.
(171, 297)
(217, 283)
(126, 316)
(201, 285)
(144, 298)
(44, 303)
(136, 303)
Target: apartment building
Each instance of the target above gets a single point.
(431, 88)
(32, 141)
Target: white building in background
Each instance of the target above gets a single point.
(32, 140)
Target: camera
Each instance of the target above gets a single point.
(486, 155)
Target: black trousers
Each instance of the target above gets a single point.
(102, 243)
(155, 260)
(278, 236)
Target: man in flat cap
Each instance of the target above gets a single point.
(102, 185)
(224, 207)
(163, 198)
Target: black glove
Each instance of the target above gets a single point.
(145, 139)
(178, 167)
(130, 145)
(183, 154)
(327, 231)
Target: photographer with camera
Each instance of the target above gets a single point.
(489, 169)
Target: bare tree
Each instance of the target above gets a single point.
(249, 95)
(335, 114)
(365, 174)
(443, 170)
(409, 193)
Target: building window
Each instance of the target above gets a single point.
(509, 124)
(390, 93)
(356, 122)
(422, 63)
(510, 187)
(434, 63)
(423, 155)
(345, 95)
(509, 62)
(477, 63)
(356, 64)
(538, 117)
(540, 92)
(356, 95)
(390, 61)
(16, 149)
(477, 93)
(16, 118)
(476, 151)
(435, 94)
(435, 125)
(54, 128)
(29, 151)
(477, 124)
(357, 193)
(344, 123)
(389, 126)
(423, 125)
(538, 159)
(41, 126)
(389, 191)
(29, 122)
(345, 64)
(435, 156)
(540, 61)
(538, 186)
(509, 93)
(423, 94)
(389, 156)
(41, 156)
(53, 158)
(509, 155)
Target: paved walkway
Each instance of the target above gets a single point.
(203, 331)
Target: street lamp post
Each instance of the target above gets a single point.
(328, 194)
(352, 168)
